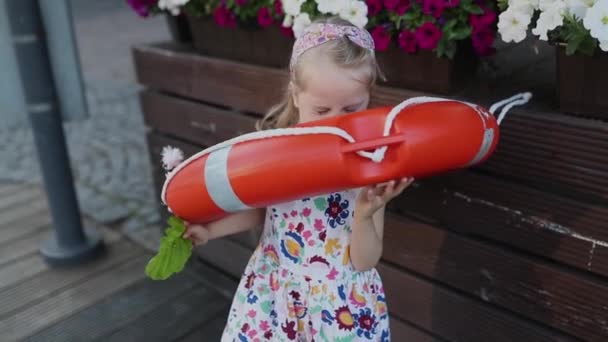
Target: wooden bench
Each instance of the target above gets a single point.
(514, 250)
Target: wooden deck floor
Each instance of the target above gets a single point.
(108, 299)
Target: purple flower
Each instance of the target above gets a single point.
(403, 6)
(142, 7)
(264, 17)
(223, 17)
(278, 7)
(451, 3)
(433, 7)
(428, 36)
(407, 41)
(373, 7)
(381, 38)
(481, 22)
(391, 4)
(287, 31)
(483, 40)
(240, 2)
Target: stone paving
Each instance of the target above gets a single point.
(109, 157)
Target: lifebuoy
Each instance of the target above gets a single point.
(420, 137)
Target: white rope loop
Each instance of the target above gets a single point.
(515, 100)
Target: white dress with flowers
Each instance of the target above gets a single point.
(300, 285)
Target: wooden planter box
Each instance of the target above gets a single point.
(425, 72)
(582, 84)
(266, 47)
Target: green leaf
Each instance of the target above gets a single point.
(173, 253)
(320, 203)
(573, 45)
(459, 33)
(576, 36)
(450, 24)
(446, 48)
(471, 7)
(503, 4)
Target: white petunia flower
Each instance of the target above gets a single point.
(172, 6)
(287, 21)
(171, 157)
(513, 24)
(292, 7)
(578, 8)
(331, 6)
(596, 21)
(549, 20)
(604, 45)
(300, 22)
(355, 12)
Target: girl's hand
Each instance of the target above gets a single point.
(375, 197)
(198, 234)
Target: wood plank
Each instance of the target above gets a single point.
(22, 196)
(240, 86)
(84, 294)
(401, 331)
(28, 225)
(533, 289)
(209, 331)
(227, 255)
(21, 269)
(22, 247)
(554, 227)
(29, 244)
(453, 316)
(54, 280)
(13, 216)
(196, 122)
(174, 318)
(120, 310)
(221, 282)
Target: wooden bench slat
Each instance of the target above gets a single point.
(539, 223)
(453, 316)
(532, 288)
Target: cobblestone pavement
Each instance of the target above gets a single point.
(108, 151)
(109, 159)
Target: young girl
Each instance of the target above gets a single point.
(312, 276)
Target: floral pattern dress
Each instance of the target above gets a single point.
(300, 285)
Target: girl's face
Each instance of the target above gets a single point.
(328, 90)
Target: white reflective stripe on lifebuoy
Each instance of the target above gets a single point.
(218, 184)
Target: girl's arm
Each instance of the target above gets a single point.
(232, 224)
(368, 223)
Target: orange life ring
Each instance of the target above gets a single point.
(419, 139)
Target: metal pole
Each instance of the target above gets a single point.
(70, 243)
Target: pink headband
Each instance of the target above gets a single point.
(317, 34)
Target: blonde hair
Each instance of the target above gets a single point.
(343, 53)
